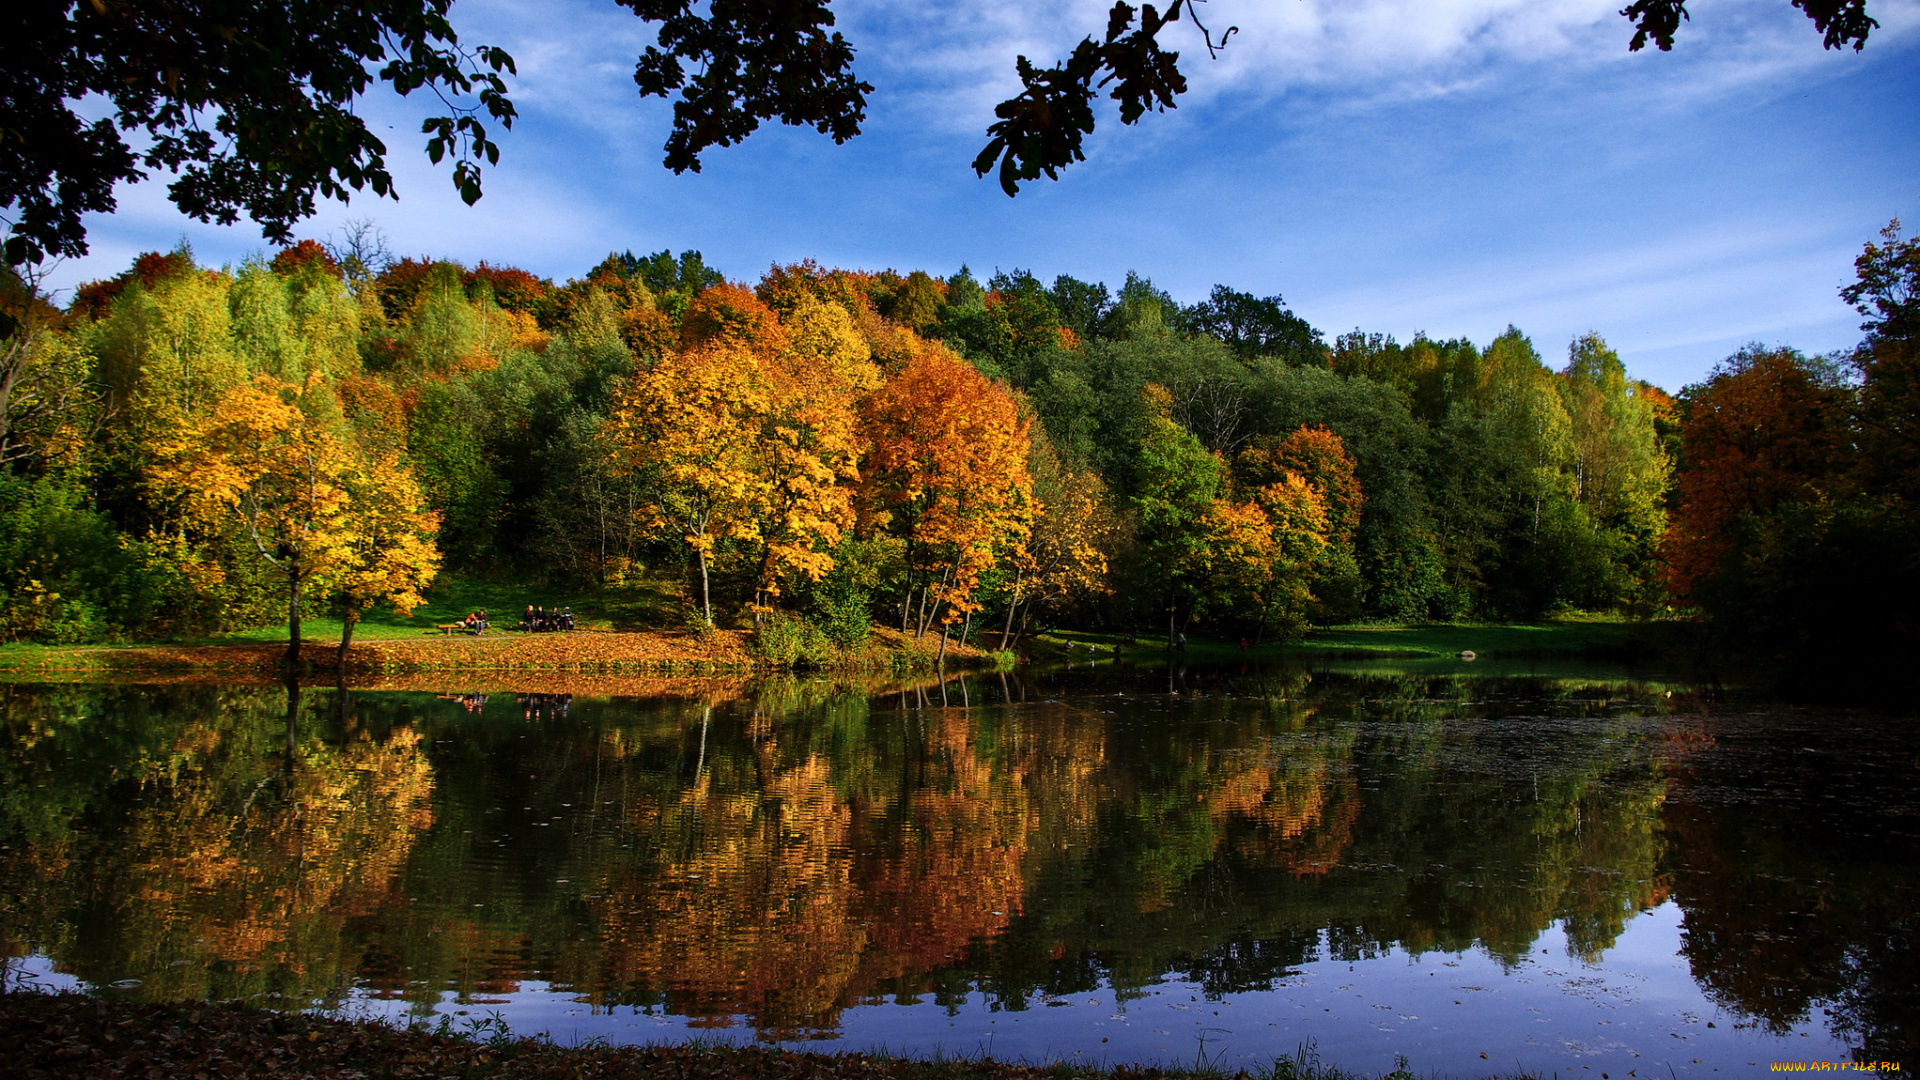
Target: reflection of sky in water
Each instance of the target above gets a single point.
(1633, 1014)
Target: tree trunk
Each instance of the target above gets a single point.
(14, 362)
(927, 617)
(347, 623)
(941, 660)
(920, 619)
(706, 599)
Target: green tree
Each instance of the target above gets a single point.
(1176, 482)
(1887, 292)
(1257, 326)
(1621, 471)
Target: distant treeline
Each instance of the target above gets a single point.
(189, 449)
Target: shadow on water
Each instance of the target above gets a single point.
(775, 859)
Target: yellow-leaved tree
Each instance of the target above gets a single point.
(1074, 527)
(318, 508)
(749, 433)
(390, 555)
(810, 443)
(1298, 517)
(691, 427)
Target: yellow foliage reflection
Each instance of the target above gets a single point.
(325, 835)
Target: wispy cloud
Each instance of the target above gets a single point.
(949, 62)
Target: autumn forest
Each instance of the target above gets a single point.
(189, 450)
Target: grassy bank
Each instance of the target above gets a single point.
(1585, 636)
(637, 630)
(1591, 637)
(582, 652)
(71, 1037)
(618, 631)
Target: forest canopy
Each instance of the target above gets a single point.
(189, 449)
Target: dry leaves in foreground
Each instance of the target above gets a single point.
(72, 1037)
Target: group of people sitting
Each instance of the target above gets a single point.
(475, 623)
(539, 620)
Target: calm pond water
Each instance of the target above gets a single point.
(1575, 874)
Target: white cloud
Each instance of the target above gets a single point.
(948, 62)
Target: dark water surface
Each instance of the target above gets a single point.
(1576, 874)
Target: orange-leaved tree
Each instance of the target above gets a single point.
(1765, 429)
(732, 314)
(947, 471)
(1317, 456)
(1319, 459)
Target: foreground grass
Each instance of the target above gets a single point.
(72, 1037)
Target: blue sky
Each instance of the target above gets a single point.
(1447, 166)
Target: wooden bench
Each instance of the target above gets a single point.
(452, 628)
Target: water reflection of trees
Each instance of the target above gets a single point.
(777, 853)
(1797, 864)
(206, 843)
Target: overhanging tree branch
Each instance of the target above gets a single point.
(249, 105)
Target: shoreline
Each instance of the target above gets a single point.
(70, 1036)
(673, 653)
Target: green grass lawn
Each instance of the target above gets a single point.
(1567, 636)
(1570, 636)
(648, 606)
(653, 605)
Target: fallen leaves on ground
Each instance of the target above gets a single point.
(73, 1037)
(580, 650)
